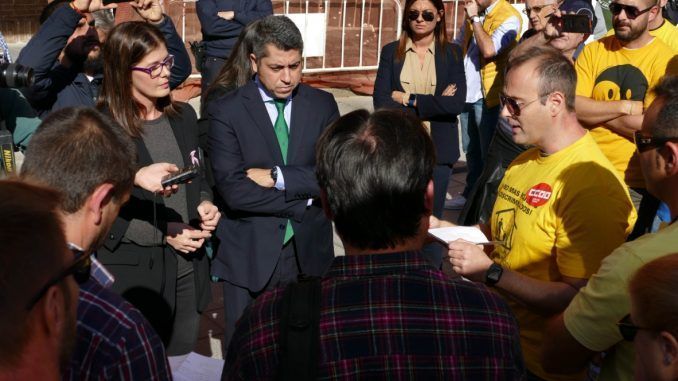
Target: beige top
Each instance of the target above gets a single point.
(418, 78)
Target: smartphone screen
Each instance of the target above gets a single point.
(576, 24)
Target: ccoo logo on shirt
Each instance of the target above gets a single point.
(539, 194)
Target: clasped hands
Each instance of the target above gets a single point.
(185, 238)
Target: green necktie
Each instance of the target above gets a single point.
(280, 128)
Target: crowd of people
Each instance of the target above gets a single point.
(571, 138)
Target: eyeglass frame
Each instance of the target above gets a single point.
(625, 8)
(411, 12)
(645, 143)
(80, 269)
(510, 103)
(627, 329)
(168, 62)
(526, 10)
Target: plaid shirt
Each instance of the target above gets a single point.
(390, 317)
(114, 340)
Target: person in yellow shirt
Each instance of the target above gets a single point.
(561, 206)
(661, 28)
(588, 325)
(614, 75)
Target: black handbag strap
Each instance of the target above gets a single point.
(300, 330)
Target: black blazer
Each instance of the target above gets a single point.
(144, 273)
(252, 226)
(440, 110)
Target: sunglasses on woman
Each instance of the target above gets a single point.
(155, 70)
(631, 11)
(80, 269)
(428, 16)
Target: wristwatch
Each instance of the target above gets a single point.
(274, 174)
(475, 19)
(493, 274)
(411, 100)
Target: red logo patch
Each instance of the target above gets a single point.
(539, 194)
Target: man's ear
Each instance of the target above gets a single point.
(52, 311)
(557, 100)
(428, 197)
(98, 200)
(669, 348)
(253, 62)
(671, 158)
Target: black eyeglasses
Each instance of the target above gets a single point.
(631, 11)
(80, 269)
(428, 16)
(646, 143)
(154, 71)
(627, 329)
(512, 105)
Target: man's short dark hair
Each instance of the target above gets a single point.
(75, 150)
(374, 171)
(278, 31)
(666, 125)
(32, 252)
(556, 73)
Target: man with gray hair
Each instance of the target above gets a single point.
(262, 138)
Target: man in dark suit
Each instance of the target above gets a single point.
(262, 144)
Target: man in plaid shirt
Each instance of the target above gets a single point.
(386, 313)
(82, 154)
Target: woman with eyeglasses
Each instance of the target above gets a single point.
(423, 74)
(653, 324)
(155, 247)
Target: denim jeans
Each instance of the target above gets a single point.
(480, 123)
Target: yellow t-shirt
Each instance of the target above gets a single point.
(558, 215)
(592, 316)
(608, 71)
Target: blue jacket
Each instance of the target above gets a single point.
(219, 34)
(57, 86)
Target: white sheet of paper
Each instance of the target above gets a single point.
(196, 367)
(468, 233)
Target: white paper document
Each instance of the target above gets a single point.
(196, 367)
(449, 234)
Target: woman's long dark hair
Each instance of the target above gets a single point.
(127, 44)
(238, 69)
(439, 32)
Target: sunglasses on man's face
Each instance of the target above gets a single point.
(428, 16)
(645, 143)
(80, 269)
(514, 108)
(631, 11)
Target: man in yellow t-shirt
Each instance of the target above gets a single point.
(614, 75)
(661, 28)
(560, 209)
(588, 325)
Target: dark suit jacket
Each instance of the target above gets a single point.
(440, 110)
(252, 226)
(144, 273)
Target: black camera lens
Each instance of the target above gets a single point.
(15, 76)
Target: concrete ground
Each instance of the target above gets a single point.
(212, 323)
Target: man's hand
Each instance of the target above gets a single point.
(450, 90)
(433, 223)
(471, 8)
(89, 6)
(469, 260)
(185, 238)
(209, 216)
(554, 25)
(261, 176)
(149, 10)
(399, 97)
(226, 15)
(150, 178)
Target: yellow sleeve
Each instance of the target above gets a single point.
(592, 315)
(592, 222)
(584, 68)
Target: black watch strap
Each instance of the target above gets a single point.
(411, 99)
(274, 174)
(493, 274)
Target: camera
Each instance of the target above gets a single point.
(15, 76)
